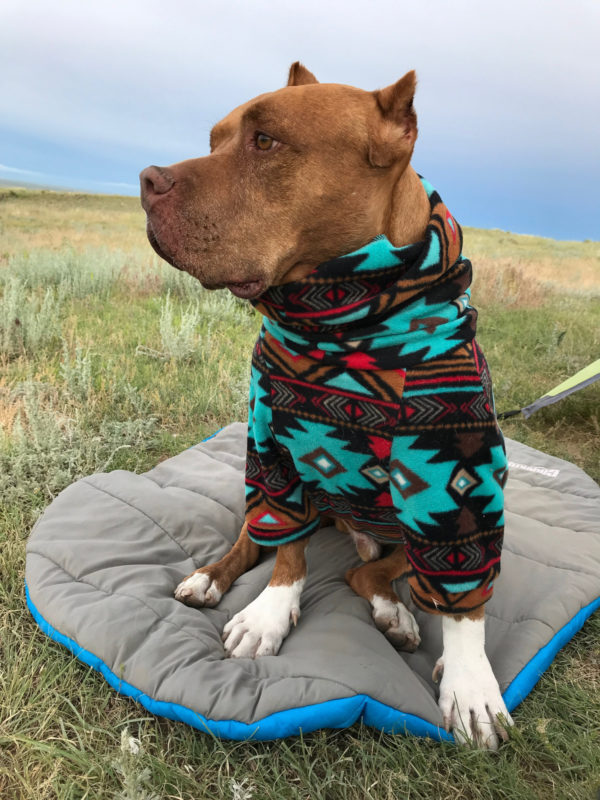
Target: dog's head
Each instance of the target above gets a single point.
(294, 177)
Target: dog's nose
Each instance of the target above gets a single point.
(155, 181)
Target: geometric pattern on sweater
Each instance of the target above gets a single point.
(386, 422)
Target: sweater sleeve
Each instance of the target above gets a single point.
(447, 473)
(278, 508)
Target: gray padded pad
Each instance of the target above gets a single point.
(105, 557)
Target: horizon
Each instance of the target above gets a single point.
(33, 187)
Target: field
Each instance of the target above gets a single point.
(111, 359)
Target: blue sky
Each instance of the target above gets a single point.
(508, 97)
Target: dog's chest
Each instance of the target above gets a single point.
(336, 425)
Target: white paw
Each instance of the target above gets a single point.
(260, 628)
(471, 703)
(397, 623)
(198, 590)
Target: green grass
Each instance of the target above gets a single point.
(139, 363)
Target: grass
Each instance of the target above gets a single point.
(567, 265)
(136, 362)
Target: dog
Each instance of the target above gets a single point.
(370, 404)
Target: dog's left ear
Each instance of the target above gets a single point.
(299, 75)
(396, 133)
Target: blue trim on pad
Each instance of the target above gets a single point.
(527, 678)
(212, 436)
(339, 713)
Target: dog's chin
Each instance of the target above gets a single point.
(247, 290)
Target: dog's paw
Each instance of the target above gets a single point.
(471, 703)
(260, 628)
(198, 590)
(396, 622)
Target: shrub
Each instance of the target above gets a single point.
(180, 341)
(52, 443)
(71, 273)
(28, 320)
(76, 372)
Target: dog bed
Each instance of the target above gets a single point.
(106, 555)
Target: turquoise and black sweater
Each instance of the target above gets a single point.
(371, 401)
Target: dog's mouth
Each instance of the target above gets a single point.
(247, 290)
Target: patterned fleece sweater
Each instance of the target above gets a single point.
(371, 401)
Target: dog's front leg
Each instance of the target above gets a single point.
(373, 582)
(260, 628)
(206, 586)
(470, 699)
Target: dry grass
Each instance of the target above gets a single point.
(584, 671)
(524, 283)
(505, 281)
(572, 266)
(10, 408)
(53, 220)
(570, 272)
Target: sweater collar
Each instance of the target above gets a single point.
(412, 299)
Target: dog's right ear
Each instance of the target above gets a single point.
(299, 75)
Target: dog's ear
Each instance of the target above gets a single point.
(397, 130)
(299, 75)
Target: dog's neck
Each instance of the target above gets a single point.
(408, 212)
(381, 306)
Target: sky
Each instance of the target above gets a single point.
(508, 99)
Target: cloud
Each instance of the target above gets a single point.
(119, 185)
(505, 90)
(130, 72)
(68, 181)
(18, 171)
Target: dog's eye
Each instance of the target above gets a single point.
(264, 142)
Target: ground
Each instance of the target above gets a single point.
(111, 359)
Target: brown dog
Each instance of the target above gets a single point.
(295, 178)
